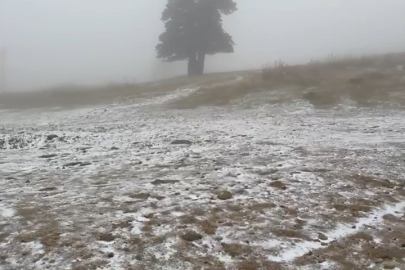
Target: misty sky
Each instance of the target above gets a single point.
(57, 42)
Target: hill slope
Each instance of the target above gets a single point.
(245, 184)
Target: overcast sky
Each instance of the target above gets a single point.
(56, 42)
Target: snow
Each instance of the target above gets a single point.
(5, 211)
(375, 218)
(341, 231)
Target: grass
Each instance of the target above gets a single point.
(367, 80)
(79, 96)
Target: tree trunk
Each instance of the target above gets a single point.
(192, 65)
(201, 63)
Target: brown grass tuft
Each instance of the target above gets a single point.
(208, 227)
(289, 234)
(262, 206)
(237, 250)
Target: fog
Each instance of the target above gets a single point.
(52, 43)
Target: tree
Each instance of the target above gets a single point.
(193, 30)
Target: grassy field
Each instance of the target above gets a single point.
(368, 81)
(82, 96)
(285, 168)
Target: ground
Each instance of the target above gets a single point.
(251, 184)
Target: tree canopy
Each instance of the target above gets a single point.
(193, 30)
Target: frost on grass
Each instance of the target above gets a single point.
(106, 187)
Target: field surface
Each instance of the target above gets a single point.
(158, 182)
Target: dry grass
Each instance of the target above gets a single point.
(290, 234)
(360, 250)
(71, 96)
(368, 80)
(237, 250)
(217, 96)
(208, 227)
(262, 206)
(77, 96)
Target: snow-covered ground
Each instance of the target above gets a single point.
(139, 186)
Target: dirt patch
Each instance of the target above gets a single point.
(258, 263)
(362, 236)
(77, 163)
(47, 189)
(208, 227)
(191, 236)
(249, 265)
(198, 212)
(181, 142)
(289, 211)
(163, 182)
(48, 156)
(188, 219)
(51, 238)
(299, 224)
(336, 252)
(28, 212)
(122, 224)
(278, 185)
(157, 197)
(262, 206)
(106, 237)
(359, 251)
(141, 196)
(352, 208)
(390, 217)
(385, 254)
(237, 250)
(98, 264)
(321, 98)
(48, 235)
(201, 262)
(290, 234)
(150, 215)
(3, 237)
(273, 265)
(370, 181)
(234, 207)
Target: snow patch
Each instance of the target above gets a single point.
(341, 231)
(5, 211)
